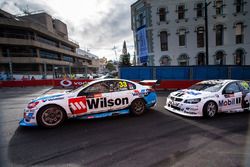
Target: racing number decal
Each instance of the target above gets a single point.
(78, 105)
(122, 84)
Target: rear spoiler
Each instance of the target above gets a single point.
(151, 83)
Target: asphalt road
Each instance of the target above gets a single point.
(158, 138)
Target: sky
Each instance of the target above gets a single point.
(97, 25)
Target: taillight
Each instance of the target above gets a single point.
(32, 104)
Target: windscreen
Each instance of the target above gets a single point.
(206, 87)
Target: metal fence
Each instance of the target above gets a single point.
(185, 73)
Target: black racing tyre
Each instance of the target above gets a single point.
(51, 116)
(138, 107)
(210, 109)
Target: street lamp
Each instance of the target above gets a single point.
(206, 30)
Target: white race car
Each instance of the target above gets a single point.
(100, 98)
(207, 98)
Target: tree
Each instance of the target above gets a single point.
(125, 56)
(110, 66)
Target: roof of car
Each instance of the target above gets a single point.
(218, 81)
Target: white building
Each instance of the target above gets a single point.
(174, 32)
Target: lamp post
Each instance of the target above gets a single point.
(206, 30)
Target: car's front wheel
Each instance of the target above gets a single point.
(51, 116)
(210, 109)
(138, 107)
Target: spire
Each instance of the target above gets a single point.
(124, 49)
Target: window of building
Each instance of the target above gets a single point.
(164, 40)
(18, 51)
(49, 55)
(165, 61)
(183, 60)
(141, 19)
(47, 40)
(200, 37)
(66, 47)
(201, 59)
(219, 58)
(239, 6)
(199, 10)
(181, 11)
(239, 33)
(219, 34)
(219, 7)
(162, 14)
(182, 37)
(68, 58)
(239, 57)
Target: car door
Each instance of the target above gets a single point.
(231, 97)
(93, 99)
(122, 94)
(245, 88)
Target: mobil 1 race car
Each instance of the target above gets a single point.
(207, 98)
(99, 98)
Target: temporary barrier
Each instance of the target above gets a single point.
(181, 73)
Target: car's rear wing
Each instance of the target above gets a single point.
(151, 83)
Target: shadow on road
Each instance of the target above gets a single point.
(154, 139)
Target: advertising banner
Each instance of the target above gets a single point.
(142, 45)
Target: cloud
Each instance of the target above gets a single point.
(97, 24)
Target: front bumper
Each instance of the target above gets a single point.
(24, 123)
(193, 110)
(29, 118)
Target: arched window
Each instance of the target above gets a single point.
(239, 57)
(219, 58)
(201, 59)
(164, 40)
(165, 60)
(183, 60)
(219, 34)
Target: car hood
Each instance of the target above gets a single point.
(191, 94)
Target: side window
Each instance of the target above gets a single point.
(123, 85)
(232, 88)
(93, 89)
(244, 85)
(131, 86)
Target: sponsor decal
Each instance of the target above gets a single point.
(229, 102)
(45, 98)
(136, 93)
(53, 99)
(104, 102)
(66, 83)
(78, 105)
(81, 105)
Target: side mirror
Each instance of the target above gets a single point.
(228, 92)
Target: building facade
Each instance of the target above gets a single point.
(172, 32)
(38, 45)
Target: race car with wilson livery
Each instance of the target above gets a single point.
(99, 98)
(207, 98)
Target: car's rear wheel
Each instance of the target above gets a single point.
(210, 109)
(51, 116)
(138, 107)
